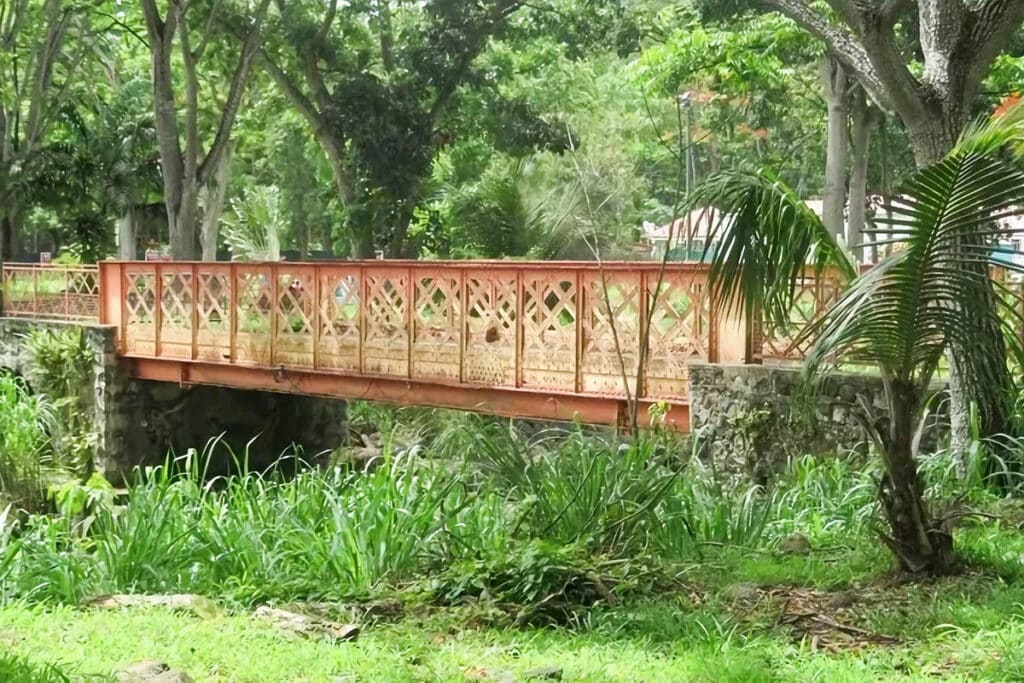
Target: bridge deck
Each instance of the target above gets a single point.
(548, 340)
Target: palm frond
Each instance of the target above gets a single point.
(934, 294)
(995, 135)
(767, 238)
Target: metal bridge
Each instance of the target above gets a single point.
(543, 340)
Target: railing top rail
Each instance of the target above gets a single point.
(633, 266)
(10, 265)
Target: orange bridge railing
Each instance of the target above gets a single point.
(50, 291)
(529, 329)
(539, 339)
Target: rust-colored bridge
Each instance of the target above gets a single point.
(546, 340)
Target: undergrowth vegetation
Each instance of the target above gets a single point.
(46, 438)
(537, 526)
(474, 530)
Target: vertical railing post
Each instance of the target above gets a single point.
(194, 284)
(714, 319)
(643, 342)
(520, 307)
(158, 308)
(67, 292)
(35, 290)
(275, 300)
(318, 307)
(463, 323)
(122, 273)
(580, 301)
(233, 312)
(410, 319)
(361, 313)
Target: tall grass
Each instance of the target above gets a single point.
(521, 520)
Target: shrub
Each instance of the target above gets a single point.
(25, 446)
(60, 366)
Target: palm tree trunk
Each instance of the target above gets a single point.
(993, 405)
(921, 545)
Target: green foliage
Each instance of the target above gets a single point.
(61, 367)
(14, 668)
(545, 524)
(25, 446)
(253, 230)
(767, 239)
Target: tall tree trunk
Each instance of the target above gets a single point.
(362, 244)
(921, 545)
(864, 118)
(327, 240)
(933, 136)
(127, 249)
(181, 224)
(836, 82)
(10, 234)
(214, 196)
(7, 240)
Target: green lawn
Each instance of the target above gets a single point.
(735, 618)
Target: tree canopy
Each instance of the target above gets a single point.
(441, 128)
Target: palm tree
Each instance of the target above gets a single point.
(925, 301)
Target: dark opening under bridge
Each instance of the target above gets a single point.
(544, 340)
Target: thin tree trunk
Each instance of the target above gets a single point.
(182, 225)
(836, 82)
(126, 236)
(327, 240)
(301, 228)
(214, 195)
(7, 239)
(864, 118)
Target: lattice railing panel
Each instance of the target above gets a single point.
(213, 301)
(436, 336)
(611, 333)
(542, 331)
(254, 314)
(386, 333)
(681, 329)
(813, 298)
(490, 355)
(295, 310)
(550, 310)
(20, 291)
(176, 309)
(51, 292)
(339, 321)
(140, 310)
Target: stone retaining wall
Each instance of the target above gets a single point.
(754, 418)
(140, 422)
